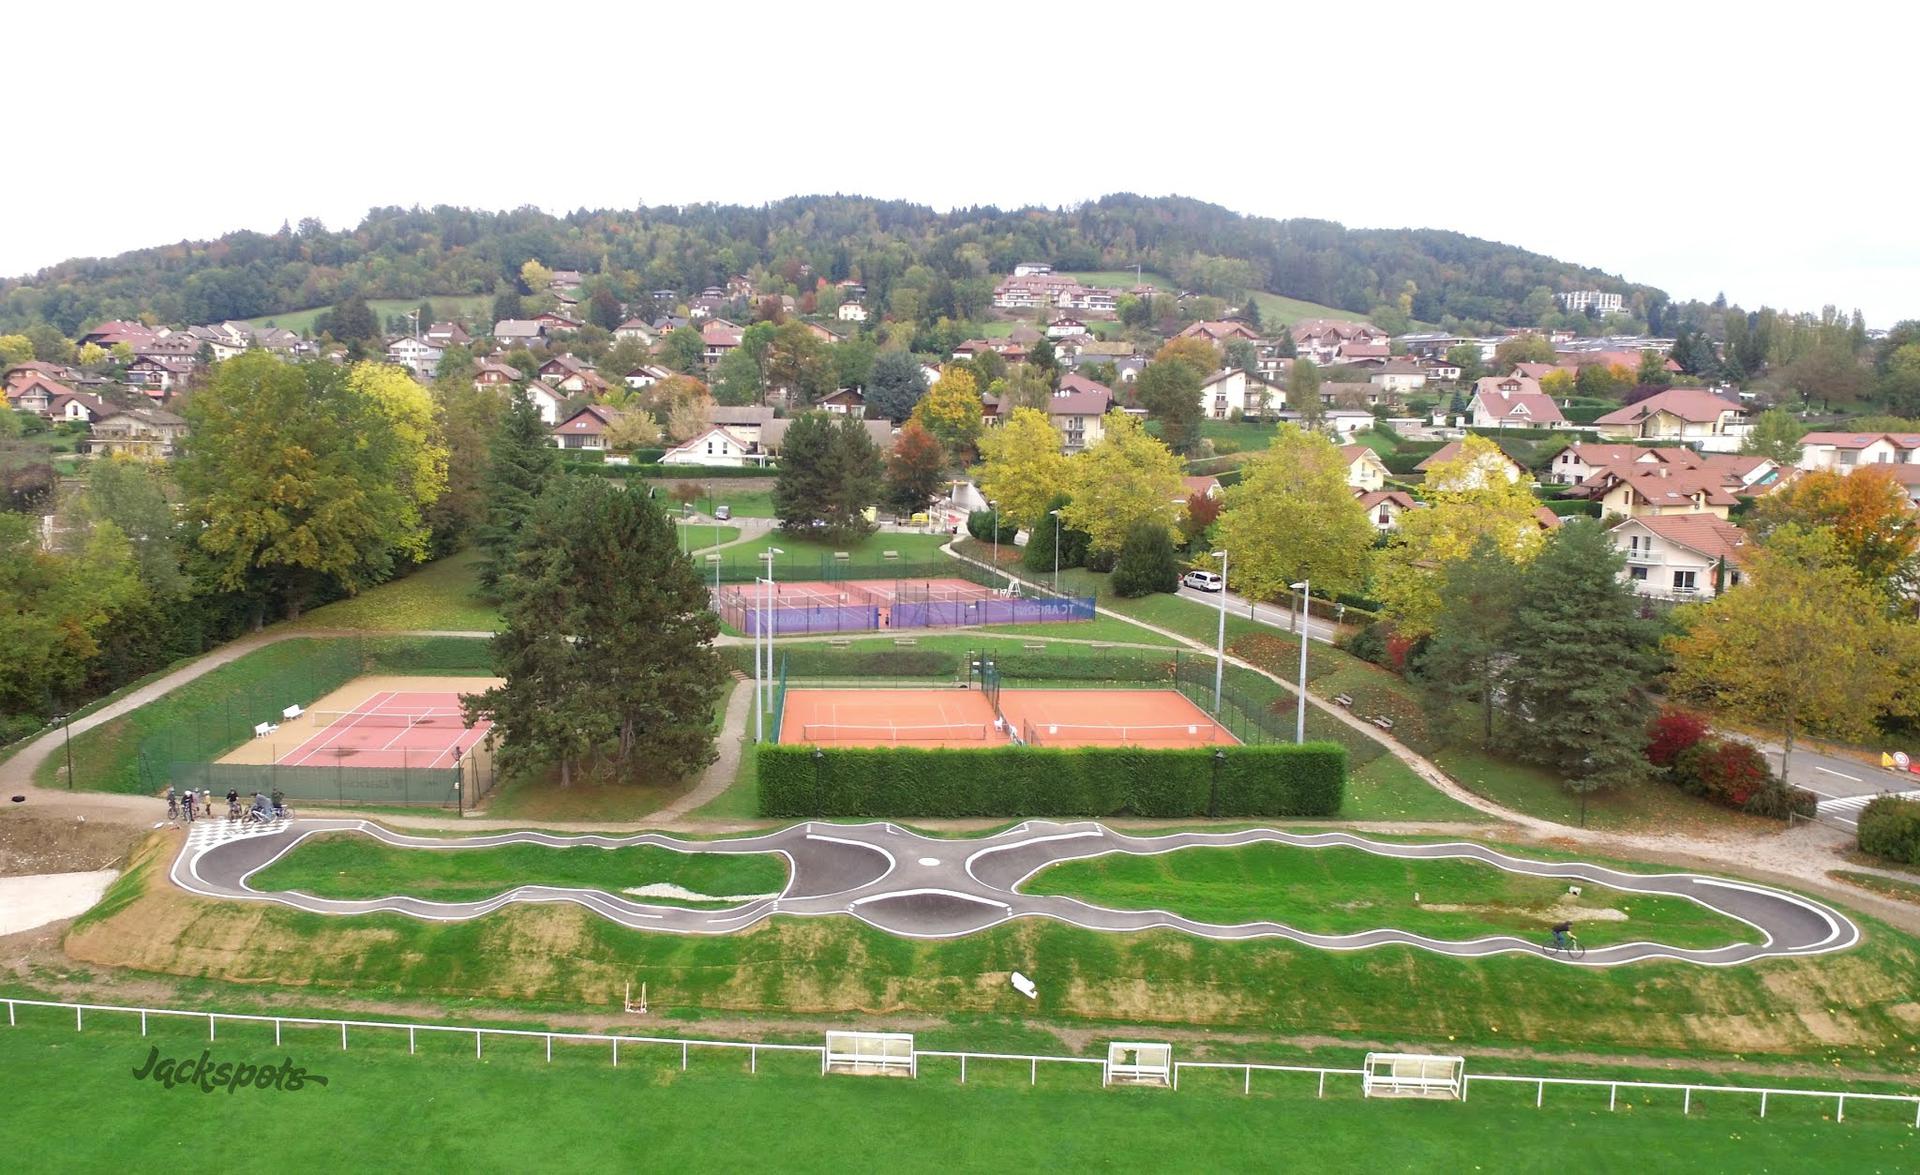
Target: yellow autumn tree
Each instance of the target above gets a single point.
(951, 412)
(1467, 496)
(1128, 477)
(409, 409)
(1022, 467)
(1294, 517)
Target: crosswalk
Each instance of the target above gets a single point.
(1846, 810)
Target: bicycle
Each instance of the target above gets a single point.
(173, 807)
(233, 810)
(1567, 945)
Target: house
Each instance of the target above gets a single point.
(1345, 422)
(1066, 328)
(570, 374)
(80, 406)
(706, 306)
(140, 432)
(1680, 557)
(1320, 339)
(1347, 394)
(1365, 470)
(565, 279)
(773, 432)
(108, 334)
(35, 393)
(585, 429)
(1032, 269)
(509, 332)
(1643, 490)
(740, 286)
(716, 446)
(645, 376)
(1363, 353)
(448, 334)
(558, 324)
(492, 374)
(1600, 302)
(1513, 401)
(845, 402)
(1475, 477)
(59, 373)
(1078, 408)
(545, 401)
(851, 312)
(1221, 332)
(156, 376)
(1202, 487)
(1399, 375)
(1692, 415)
(1847, 451)
(719, 337)
(1908, 475)
(638, 330)
(1384, 507)
(1582, 459)
(416, 355)
(1231, 391)
(744, 421)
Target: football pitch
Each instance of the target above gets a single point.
(76, 1101)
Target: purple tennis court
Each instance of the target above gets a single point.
(871, 605)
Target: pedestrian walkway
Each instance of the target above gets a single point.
(1846, 810)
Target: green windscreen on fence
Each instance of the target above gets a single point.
(779, 701)
(372, 785)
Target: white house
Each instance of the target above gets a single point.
(1078, 409)
(637, 329)
(716, 446)
(1343, 423)
(1691, 415)
(1384, 507)
(1847, 451)
(845, 402)
(1399, 375)
(645, 376)
(1680, 556)
(1232, 390)
(545, 400)
(416, 355)
(1066, 328)
(852, 312)
(1489, 463)
(1513, 401)
(1581, 460)
(1365, 470)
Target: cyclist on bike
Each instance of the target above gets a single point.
(279, 804)
(173, 803)
(1560, 932)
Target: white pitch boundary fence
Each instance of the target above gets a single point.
(753, 1049)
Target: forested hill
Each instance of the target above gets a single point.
(949, 260)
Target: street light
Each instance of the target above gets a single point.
(67, 731)
(1220, 649)
(1300, 721)
(1056, 550)
(761, 701)
(995, 507)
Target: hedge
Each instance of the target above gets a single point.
(801, 781)
(803, 661)
(670, 472)
(1890, 828)
(1575, 508)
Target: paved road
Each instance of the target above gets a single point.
(1844, 785)
(1238, 605)
(925, 887)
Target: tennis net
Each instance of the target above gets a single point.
(843, 733)
(451, 719)
(1040, 734)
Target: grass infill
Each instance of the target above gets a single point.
(1340, 890)
(353, 866)
(1886, 887)
(442, 596)
(83, 1108)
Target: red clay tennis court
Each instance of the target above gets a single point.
(1156, 718)
(965, 718)
(389, 729)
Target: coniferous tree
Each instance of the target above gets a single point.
(521, 463)
(1146, 564)
(1578, 704)
(1467, 659)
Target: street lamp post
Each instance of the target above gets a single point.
(1300, 719)
(762, 701)
(1056, 550)
(67, 732)
(1220, 648)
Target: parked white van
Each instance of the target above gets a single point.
(1206, 581)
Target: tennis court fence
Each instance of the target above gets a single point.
(1079, 734)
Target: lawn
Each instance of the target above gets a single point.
(355, 866)
(1340, 890)
(221, 702)
(1276, 309)
(1645, 806)
(1231, 436)
(1886, 887)
(698, 536)
(1851, 1009)
(1123, 279)
(803, 559)
(750, 498)
(512, 1110)
(474, 308)
(442, 596)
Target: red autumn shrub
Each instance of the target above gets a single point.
(1724, 771)
(1672, 732)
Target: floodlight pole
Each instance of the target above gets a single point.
(1220, 648)
(763, 703)
(1300, 719)
(1056, 550)
(995, 507)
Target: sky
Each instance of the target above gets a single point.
(1762, 150)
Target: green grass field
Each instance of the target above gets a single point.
(442, 596)
(1342, 891)
(353, 866)
(802, 556)
(512, 1110)
(472, 307)
(1237, 436)
(697, 536)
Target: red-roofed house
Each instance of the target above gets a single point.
(1078, 408)
(1693, 415)
(1220, 332)
(1638, 491)
(1384, 507)
(1680, 557)
(585, 429)
(1846, 451)
(1205, 487)
(1451, 452)
(1513, 401)
(1365, 470)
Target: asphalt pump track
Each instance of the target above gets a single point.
(919, 886)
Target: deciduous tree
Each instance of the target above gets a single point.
(1775, 434)
(1197, 353)
(1869, 515)
(1293, 517)
(54, 607)
(1169, 389)
(1022, 467)
(1303, 392)
(951, 412)
(1127, 477)
(916, 469)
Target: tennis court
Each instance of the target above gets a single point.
(866, 605)
(1109, 718)
(374, 722)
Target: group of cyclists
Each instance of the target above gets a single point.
(192, 805)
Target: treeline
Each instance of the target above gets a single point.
(917, 264)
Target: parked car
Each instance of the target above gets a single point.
(1205, 581)
(722, 512)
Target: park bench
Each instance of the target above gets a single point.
(1382, 721)
(1343, 700)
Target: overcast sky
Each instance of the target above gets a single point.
(1764, 150)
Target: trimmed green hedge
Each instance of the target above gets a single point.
(1890, 828)
(1289, 780)
(1580, 508)
(804, 661)
(671, 472)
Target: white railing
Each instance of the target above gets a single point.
(753, 1049)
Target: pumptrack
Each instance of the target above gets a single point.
(918, 886)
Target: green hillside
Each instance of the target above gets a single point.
(473, 307)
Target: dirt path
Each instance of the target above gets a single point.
(719, 773)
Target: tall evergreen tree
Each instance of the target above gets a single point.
(830, 472)
(521, 463)
(1467, 659)
(607, 651)
(1146, 564)
(1579, 706)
